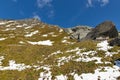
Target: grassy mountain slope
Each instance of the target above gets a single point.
(32, 50)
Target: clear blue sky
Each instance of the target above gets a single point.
(65, 13)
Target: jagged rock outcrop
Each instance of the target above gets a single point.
(78, 32)
(104, 30)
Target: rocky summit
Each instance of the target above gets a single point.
(33, 50)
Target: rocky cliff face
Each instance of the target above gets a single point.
(78, 32)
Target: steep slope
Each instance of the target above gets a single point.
(33, 50)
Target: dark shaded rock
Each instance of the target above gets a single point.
(117, 62)
(115, 42)
(105, 29)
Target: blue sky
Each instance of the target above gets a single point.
(65, 13)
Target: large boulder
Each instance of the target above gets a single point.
(105, 29)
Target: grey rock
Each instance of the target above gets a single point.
(119, 34)
(105, 29)
(68, 30)
(115, 42)
(78, 32)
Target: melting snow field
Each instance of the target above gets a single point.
(47, 42)
(109, 73)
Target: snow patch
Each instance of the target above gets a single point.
(8, 29)
(1, 39)
(1, 58)
(103, 46)
(45, 35)
(14, 66)
(18, 26)
(28, 27)
(21, 42)
(47, 42)
(54, 35)
(61, 30)
(61, 77)
(2, 23)
(46, 75)
(32, 33)
(103, 73)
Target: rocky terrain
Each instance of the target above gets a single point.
(33, 50)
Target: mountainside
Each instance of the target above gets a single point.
(33, 50)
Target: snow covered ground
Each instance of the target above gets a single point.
(108, 73)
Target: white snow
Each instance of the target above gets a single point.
(45, 35)
(108, 73)
(14, 66)
(46, 75)
(64, 41)
(2, 23)
(62, 60)
(54, 53)
(84, 57)
(28, 27)
(66, 37)
(21, 42)
(19, 26)
(61, 77)
(47, 42)
(7, 29)
(61, 30)
(1, 58)
(88, 59)
(1, 39)
(51, 33)
(67, 42)
(74, 50)
(103, 46)
(32, 33)
(54, 35)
